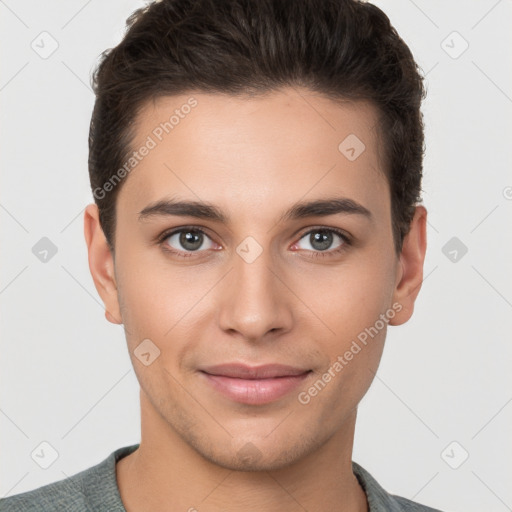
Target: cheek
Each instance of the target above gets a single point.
(354, 297)
(352, 306)
(354, 352)
(149, 300)
(162, 303)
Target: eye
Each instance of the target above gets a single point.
(185, 240)
(322, 240)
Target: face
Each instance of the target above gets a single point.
(255, 322)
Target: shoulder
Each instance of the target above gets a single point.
(412, 506)
(67, 494)
(379, 500)
(81, 492)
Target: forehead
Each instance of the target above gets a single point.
(255, 153)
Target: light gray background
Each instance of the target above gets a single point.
(66, 377)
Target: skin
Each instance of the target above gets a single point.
(253, 158)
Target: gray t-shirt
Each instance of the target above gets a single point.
(95, 490)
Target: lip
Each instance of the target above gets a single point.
(254, 385)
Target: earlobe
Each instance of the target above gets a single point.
(410, 276)
(111, 319)
(101, 263)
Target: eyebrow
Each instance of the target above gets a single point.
(300, 210)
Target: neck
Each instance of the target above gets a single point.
(165, 470)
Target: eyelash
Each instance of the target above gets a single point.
(316, 254)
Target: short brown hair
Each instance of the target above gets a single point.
(344, 49)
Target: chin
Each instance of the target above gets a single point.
(252, 456)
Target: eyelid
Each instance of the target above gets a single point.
(340, 232)
(172, 231)
(347, 238)
(160, 239)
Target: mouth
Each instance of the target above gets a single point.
(254, 385)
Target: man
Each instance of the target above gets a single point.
(256, 168)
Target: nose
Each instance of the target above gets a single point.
(255, 300)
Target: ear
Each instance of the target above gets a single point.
(101, 263)
(410, 275)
